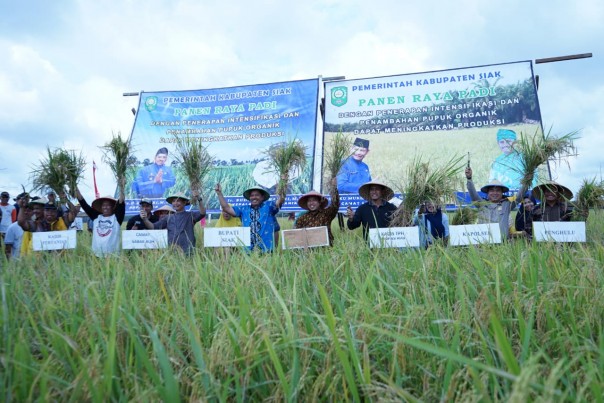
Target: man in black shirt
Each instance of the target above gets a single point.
(376, 212)
(136, 222)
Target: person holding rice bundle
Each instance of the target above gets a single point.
(180, 224)
(107, 215)
(377, 212)
(498, 208)
(259, 215)
(554, 206)
(318, 213)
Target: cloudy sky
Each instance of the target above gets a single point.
(64, 65)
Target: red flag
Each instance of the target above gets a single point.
(96, 190)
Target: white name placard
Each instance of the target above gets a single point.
(474, 234)
(394, 237)
(304, 238)
(145, 239)
(54, 240)
(226, 237)
(559, 231)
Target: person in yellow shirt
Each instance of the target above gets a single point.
(227, 220)
(49, 221)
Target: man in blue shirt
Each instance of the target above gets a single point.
(354, 172)
(259, 216)
(154, 179)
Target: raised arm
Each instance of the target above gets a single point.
(197, 196)
(90, 212)
(73, 211)
(27, 225)
(223, 203)
(471, 189)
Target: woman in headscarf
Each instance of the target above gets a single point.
(523, 224)
(433, 223)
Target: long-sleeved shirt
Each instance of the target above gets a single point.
(145, 185)
(321, 217)
(181, 228)
(371, 216)
(352, 176)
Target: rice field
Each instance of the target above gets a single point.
(513, 322)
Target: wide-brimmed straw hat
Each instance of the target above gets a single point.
(99, 202)
(303, 200)
(169, 209)
(186, 198)
(387, 193)
(494, 183)
(563, 191)
(266, 195)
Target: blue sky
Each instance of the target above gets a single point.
(64, 65)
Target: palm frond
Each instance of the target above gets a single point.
(194, 159)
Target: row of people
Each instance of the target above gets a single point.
(260, 214)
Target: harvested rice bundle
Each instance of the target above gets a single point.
(195, 160)
(537, 150)
(464, 216)
(60, 171)
(338, 151)
(117, 153)
(424, 183)
(589, 196)
(285, 158)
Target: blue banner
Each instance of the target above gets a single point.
(237, 124)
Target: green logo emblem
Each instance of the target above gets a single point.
(339, 96)
(151, 103)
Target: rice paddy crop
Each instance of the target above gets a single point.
(512, 322)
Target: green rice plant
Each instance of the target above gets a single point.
(60, 170)
(487, 323)
(425, 183)
(589, 196)
(336, 154)
(536, 150)
(195, 160)
(284, 158)
(464, 216)
(118, 153)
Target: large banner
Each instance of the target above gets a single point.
(238, 124)
(478, 110)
